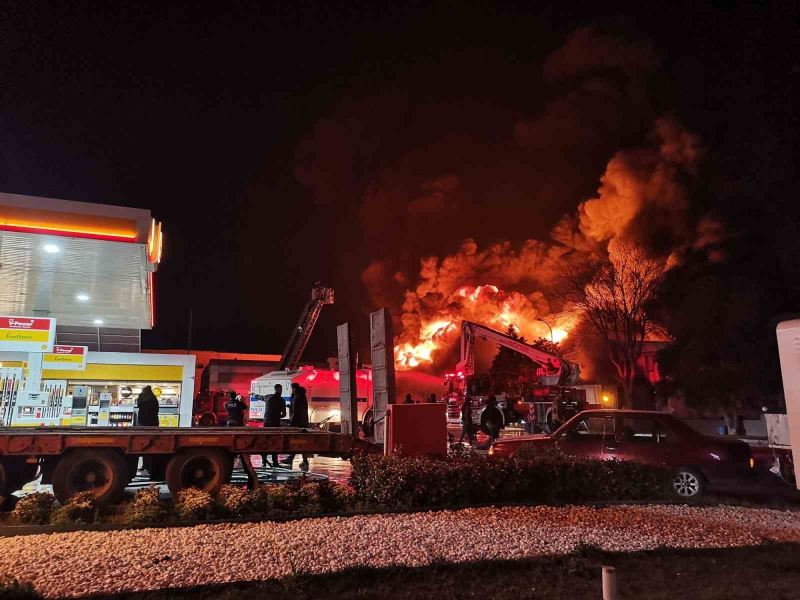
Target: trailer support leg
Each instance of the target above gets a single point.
(252, 477)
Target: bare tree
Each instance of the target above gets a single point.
(613, 296)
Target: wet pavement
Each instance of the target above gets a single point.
(320, 467)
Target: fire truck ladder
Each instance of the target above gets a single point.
(290, 359)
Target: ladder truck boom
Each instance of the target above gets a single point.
(290, 359)
(553, 370)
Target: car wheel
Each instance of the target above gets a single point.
(688, 483)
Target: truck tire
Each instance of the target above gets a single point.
(202, 468)
(14, 473)
(102, 471)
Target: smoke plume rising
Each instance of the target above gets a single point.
(471, 201)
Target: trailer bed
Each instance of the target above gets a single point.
(35, 441)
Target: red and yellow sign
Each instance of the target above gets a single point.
(66, 358)
(34, 220)
(27, 334)
(155, 242)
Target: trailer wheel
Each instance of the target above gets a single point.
(202, 468)
(368, 423)
(14, 473)
(207, 420)
(101, 471)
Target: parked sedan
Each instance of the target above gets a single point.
(649, 437)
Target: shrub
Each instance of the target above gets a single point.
(260, 501)
(233, 500)
(193, 504)
(11, 587)
(34, 509)
(146, 507)
(282, 498)
(399, 482)
(81, 508)
(343, 498)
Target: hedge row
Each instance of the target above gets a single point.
(297, 497)
(463, 478)
(382, 483)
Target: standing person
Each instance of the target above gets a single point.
(491, 420)
(432, 398)
(299, 418)
(276, 410)
(235, 407)
(147, 403)
(466, 422)
(408, 399)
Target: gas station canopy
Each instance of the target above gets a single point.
(90, 266)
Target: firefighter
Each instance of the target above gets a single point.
(235, 407)
(299, 418)
(466, 422)
(276, 410)
(492, 420)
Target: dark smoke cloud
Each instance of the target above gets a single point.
(426, 168)
(588, 51)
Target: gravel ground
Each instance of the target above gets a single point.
(79, 563)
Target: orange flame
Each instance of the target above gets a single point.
(485, 304)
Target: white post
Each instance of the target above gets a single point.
(789, 352)
(609, 583)
(34, 380)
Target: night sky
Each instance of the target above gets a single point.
(283, 142)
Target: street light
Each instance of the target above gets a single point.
(549, 327)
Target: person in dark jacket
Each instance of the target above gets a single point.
(467, 428)
(491, 420)
(235, 407)
(147, 403)
(299, 418)
(408, 399)
(276, 410)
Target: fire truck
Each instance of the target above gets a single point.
(209, 407)
(549, 400)
(322, 385)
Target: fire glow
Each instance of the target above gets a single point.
(485, 304)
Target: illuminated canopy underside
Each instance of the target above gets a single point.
(114, 275)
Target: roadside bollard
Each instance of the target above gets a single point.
(609, 583)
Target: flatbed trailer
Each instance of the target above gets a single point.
(105, 460)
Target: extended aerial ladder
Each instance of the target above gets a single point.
(557, 399)
(553, 370)
(320, 296)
